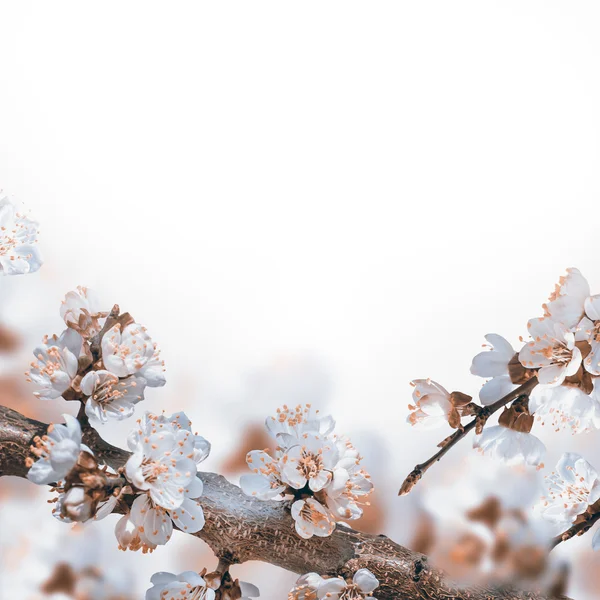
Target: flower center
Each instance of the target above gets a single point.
(152, 469)
(310, 464)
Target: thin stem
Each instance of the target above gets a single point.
(485, 412)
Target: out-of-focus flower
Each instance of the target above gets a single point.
(552, 350)
(571, 488)
(313, 586)
(19, 253)
(57, 452)
(109, 396)
(56, 364)
(131, 351)
(81, 311)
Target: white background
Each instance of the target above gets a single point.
(375, 185)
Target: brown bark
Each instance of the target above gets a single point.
(239, 528)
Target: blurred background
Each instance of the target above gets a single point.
(311, 202)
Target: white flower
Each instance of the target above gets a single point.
(81, 312)
(58, 452)
(265, 482)
(312, 518)
(494, 363)
(349, 484)
(156, 523)
(56, 365)
(552, 350)
(129, 536)
(177, 422)
(566, 303)
(110, 396)
(306, 587)
(187, 585)
(431, 404)
(566, 407)
(309, 463)
(19, 253)
(75, 505)
(571, 488)
(311, 585)
(132, 351)
(290, 425)
(162, 463)
(513, 447)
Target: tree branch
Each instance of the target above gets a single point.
(486, 411)
(239, 528)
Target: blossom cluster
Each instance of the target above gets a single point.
(317, 470)
(314, 587)
(162, 472)
(84, 490)
(190, 585)
(160, 478)
(562, 354)
(103, 360)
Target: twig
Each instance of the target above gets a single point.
(579, 528)
(485, 412)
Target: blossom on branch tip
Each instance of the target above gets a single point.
(19, 253)
(56, 364)
(431, 404)
(80, 311)
(130, 351)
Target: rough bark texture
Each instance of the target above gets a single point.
(239, 528)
